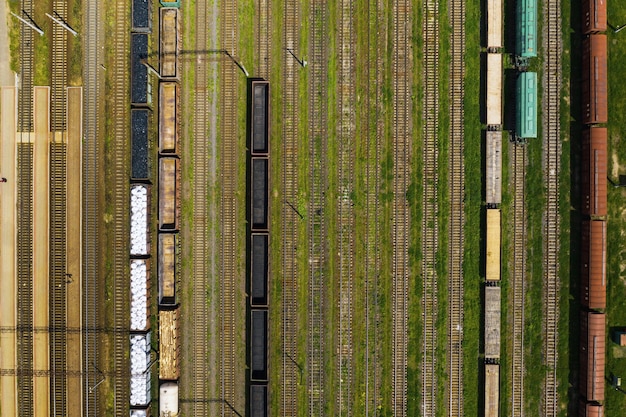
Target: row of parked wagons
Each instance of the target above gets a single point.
(258, 249)
(143, 171)
(593, 174)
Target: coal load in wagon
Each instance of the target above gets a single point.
(258, 401)
(259, 270)
(258, 366)
(139, 72)
(139, 139)
(259, 193)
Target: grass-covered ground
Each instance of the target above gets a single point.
(616, 226)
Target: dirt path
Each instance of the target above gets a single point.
(8, 246)
(6, 75)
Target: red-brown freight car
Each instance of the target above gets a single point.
(595, 106)
(593, 264)
(590, 409)
(594, 171)
(592, 356)
(594, 16)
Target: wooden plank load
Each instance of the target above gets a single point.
(169, 345)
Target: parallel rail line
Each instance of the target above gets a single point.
(401, 72)
(318, 128)
(200, 274)
(58, 318)
(430, 224)
(90, 205)
(518, 279)
(58, 247)
(263, 36)
(229, 164)
(121, 201)
(346, 97)
(552, 46)
(25, 218)
(373, 102)
(456, 235)
(290, 219)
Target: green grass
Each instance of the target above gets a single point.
(616, 220)
(473, 212)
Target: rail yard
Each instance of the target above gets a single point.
(311, 208)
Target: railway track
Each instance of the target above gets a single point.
(373, 104)
(121, 198)
(518, 160)
(430, 224)
(552, 46)
(263, 36)
(346, 97)
(289, 217)
(25, 218)
(25, 275)
(456, 235)
(400, 218)
(229, 164)
(199, 279)
(58, 318)
(58, 247)
(90, 208)
(318, 128)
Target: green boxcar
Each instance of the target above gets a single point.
(526, 40)
(171, 3)
(526, 121)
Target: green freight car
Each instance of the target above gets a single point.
(526, 36)
(171, 3)
(526, 120)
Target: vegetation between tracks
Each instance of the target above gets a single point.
(616, 227)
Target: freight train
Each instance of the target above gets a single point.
(145, 162)
(258, 246)
(593, 174)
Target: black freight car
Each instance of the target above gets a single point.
(258, 400)
(259, 270)
(139, 72)
(258, 345)
(139, 143)
(258, 116)
(259, 181)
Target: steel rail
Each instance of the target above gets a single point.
(551, 76)
(346, 98)
(518, 160)
(318, 142)
(430, 223)
(25, 157)
(91, 261)
(289, 218)
(456, 186)
(228, 210)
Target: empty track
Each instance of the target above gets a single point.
(90, 205)
(456, 235)
(121, 197)
(199, 278)
(318, 128)
(346, 98)
(290, 219)
(402, 129)
(518, 161)
(263, 36)
(229, 168)
(372, 131)
(25, 219)
(58, 256)
(551, 75)
(430, 223)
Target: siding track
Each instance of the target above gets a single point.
(121, 152)
(289, 218)
(25, 220)
(346, 97)
(90, 206)
(552, 46)
(318, 125)
(518, 160)
(430, 224)
(456, 235)
(229, 164)
(199, 279)
(58, 247)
